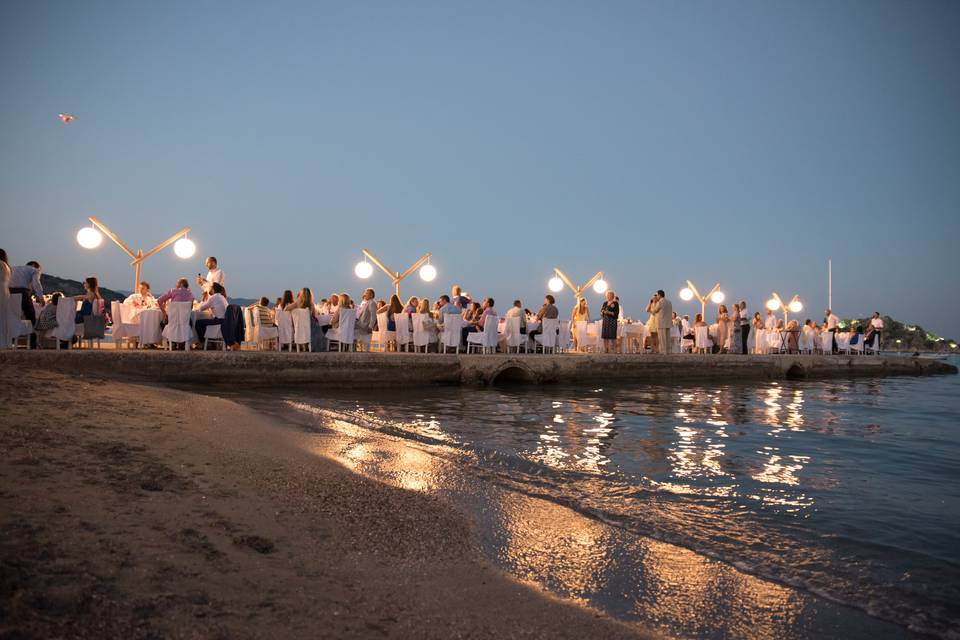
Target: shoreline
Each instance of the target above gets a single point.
(152, 512)
(262, 369)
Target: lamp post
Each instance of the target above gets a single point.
(794, 306)
(427, 271)
(560, 279)
(690, 292)
(90, 238)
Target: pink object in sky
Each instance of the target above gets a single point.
(66, 118)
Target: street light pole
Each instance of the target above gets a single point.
(395, 276)
(578, 291)
(138, 257)
(703, 299)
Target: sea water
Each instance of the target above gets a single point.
(842, 494)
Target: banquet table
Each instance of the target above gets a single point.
(149, 320)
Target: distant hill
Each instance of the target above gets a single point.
(900, 336)
(75, 288)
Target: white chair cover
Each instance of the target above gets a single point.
(284, 328)
(511, 332)
(422, 335)
(702, 338)
(806, 344)
(249, 331)
(486, 340)
(382, 337)
(178, 322)
(66, 320)
(564, 341)
(450, 336)
(148, 321)
(826, 342)
(548, 339)
(843, 342)
(403, 335)
(345, 334)
(262, 333)
(301, 327)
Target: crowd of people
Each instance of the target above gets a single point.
(665, 330)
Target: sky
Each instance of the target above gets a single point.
(740, 142)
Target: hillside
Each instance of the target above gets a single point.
(75, 288)
(900, 336)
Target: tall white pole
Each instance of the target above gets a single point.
(830, 284)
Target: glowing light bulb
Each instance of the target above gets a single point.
(555, 284)
(428, 272)
(600, 286)
(363, 270)
(772, 304)
(184, 248)
(686, 294)
(718, 297)
(89, 238)
(796, 306)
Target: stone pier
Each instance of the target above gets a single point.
(271, 369)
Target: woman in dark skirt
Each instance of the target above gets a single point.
(610, 313)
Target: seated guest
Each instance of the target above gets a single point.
(180, 293)
(457, 298)
(446, 307)
(423, 308)
(549, 311)
(48, 314)
(263, 311)
(344, 310)
(412, 305)
(685, 330)
(698, 321)
(482, 315)
(216, 305)
(278, 305)
(287, 303)
(873, 330)
(771, 320)
(472, 312)
(391, 309)
(516, 311)
(143, 299)
(91, 300)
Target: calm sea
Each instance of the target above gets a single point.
(778, 509)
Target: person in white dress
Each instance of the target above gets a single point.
(6, 331)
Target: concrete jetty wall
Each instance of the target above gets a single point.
(267, 368)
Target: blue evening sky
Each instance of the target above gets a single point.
(740, 142)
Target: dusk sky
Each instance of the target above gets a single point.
(739, 142)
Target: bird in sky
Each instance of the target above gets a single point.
(66, 118)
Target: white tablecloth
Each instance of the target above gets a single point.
(149, 320)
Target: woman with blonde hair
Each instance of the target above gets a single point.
(581, 312)
(723, 328)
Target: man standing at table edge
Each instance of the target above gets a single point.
(215, 274)
(662, 310)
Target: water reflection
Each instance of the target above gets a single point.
(767, 476)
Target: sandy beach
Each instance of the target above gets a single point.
(141, 512)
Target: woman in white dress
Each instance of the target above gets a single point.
(6, 336)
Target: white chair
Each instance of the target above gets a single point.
(826, 343)
(262, 334)
(548, 339)
(284, 329)
(486, 340)
(423, 334)
(382, 337)
(215, 335)
(124, 328)
(403, 335)
(301, 329)
(511, 331)
(66, 322)
(806, 344)
(178, 328)
(875, 347)
(450, 336)
(20, 328)
(843, 342)
(345, 334)
(702, 341)
(564, 339)
(856, 348)
(249, 330)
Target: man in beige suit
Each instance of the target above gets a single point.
(662, 311)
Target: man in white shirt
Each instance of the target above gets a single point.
(217, 305)
(873, 330)
(24, 280)
(744, 326)
(832, 323)
(143, 299)
(214, 275)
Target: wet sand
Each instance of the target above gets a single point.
(130, 511)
